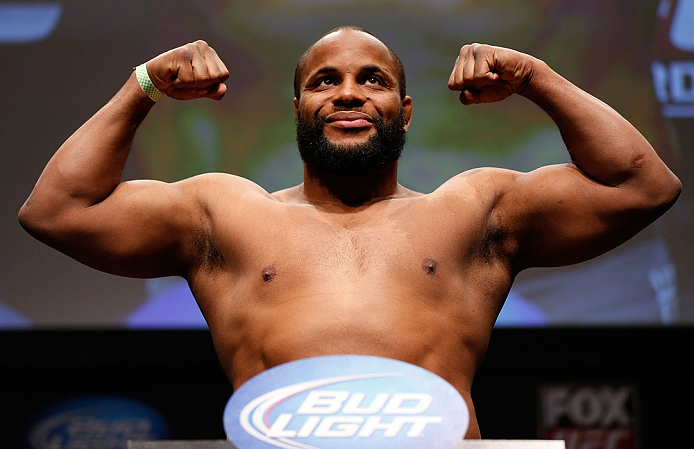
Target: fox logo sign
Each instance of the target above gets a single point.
(346, 401)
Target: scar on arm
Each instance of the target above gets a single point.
(637, 160)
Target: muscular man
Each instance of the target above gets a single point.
(350, 261)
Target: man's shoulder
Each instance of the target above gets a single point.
(221, 183)
(222, 191)
(480, 181)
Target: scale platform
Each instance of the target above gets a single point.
(465, 444)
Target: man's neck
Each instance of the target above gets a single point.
(350, 191)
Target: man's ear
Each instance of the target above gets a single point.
(296, 109)
(406, 106)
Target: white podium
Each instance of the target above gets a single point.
(465, 444)
(511, 444)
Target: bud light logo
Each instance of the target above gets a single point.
(95, 422)
(346, 401)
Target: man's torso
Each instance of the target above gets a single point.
(417, 278)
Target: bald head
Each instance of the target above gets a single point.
(298, 72)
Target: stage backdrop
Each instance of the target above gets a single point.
(63, 60)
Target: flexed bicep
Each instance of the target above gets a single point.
(557, 216)
(140, 228)
(143, 229)
(564, 214)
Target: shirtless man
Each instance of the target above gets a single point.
(350, 261)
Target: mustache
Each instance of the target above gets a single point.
(318, 117)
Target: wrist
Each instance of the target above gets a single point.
(146, 83)
(131, 100)
(539, 82)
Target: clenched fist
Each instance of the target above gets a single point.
(191, 71)
(485, 74)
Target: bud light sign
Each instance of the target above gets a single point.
(95, 422)
(346, 401)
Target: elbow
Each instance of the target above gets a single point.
(39, 223)
(677, 188)
(29, 219)
(25, 216)
(664, 194)
(672, 191)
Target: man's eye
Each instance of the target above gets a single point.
(326, 82)
(373, 80)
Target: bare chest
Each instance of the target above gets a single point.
(387, 243)
(406, 281)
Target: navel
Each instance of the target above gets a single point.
(268, 273)
(429, 266)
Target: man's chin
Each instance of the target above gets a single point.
(349, 139)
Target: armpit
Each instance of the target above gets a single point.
(494, 243)
(207, 256)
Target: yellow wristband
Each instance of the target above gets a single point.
(146, 84)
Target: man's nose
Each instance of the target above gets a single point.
(349, 94)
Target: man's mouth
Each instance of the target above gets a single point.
(349, 119)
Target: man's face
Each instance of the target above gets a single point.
(350, 102)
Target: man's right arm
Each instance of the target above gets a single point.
(137, 228)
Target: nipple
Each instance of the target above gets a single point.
(429, 266)
(268, 274)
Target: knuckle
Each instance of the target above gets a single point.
(183, 81)
(222, 76)
(184, 53)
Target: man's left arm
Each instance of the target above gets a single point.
(564, 214)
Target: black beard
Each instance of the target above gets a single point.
(358, 160)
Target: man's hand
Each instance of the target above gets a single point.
(191, 71)
(485, 74)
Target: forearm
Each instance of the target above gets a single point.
(602, 143)
(89, 165)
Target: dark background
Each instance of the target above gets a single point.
(177, 373)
